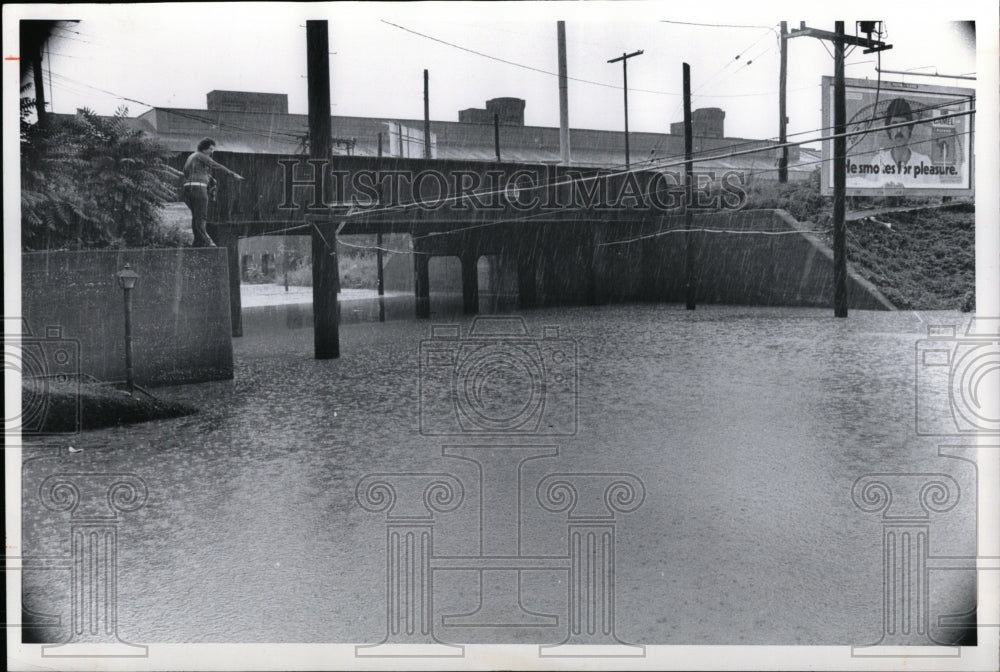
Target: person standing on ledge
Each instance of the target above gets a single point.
(197, 178)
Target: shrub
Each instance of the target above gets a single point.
(91, 182)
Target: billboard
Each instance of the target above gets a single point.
(933, 156)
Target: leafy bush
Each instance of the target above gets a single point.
(357, 271)
(92, 182)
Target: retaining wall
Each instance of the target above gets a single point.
(180, 311)
(752, 257)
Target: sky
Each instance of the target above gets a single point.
(173, 55)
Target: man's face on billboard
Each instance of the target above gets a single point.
(899, 137)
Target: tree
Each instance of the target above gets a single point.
(91, 182)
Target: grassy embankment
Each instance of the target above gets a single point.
(65, 407)
(921, 258)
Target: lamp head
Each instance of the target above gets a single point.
(127, 277)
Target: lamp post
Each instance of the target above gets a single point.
(126, 280)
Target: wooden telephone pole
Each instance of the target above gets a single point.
(326, 280)
(689, 275)
(840, 41)
(624, 59)
(427, 116)
(782, 113)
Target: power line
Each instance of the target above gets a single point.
(527, 217)
(712, 77)
(752, 95)
(719, 71)
(667, 164)
(521, 65)
(714, 25)
(854, 154)
(75, 39)
(704, 155)
(751, 146)
(555, 74)
(217, 123)
(821, 129)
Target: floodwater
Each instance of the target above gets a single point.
(747, 428)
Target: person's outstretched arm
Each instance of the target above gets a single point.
(215, 164)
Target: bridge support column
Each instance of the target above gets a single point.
(527, 289)
(422, 283)
(228, 237)
(597, 267)
(470, 284)
(326, 285)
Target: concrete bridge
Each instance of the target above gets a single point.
(572, 236)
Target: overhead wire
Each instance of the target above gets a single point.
(719, 71)
(257, 132)
(409, 206)
(878, 90)
(715, 25)
(511, 220)
(523, 65)
(527, 217)
(651, 164)
(713, 153)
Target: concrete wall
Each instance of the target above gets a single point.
(753, 257)
(775, 261)
(180, 311)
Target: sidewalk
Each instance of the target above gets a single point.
(275, 295)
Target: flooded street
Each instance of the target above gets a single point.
(747, 428)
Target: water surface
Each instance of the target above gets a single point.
(747, 427)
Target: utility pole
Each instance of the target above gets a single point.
(782, 114)
(378, 257)
(563, 94)
(839, 176)
(496, 134)
(427, 117)
(381, 278)
(840, 40)
(624, 59)
(326, 281)
(689, 284)
(36, 71)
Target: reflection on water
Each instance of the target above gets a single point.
(748, 427)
